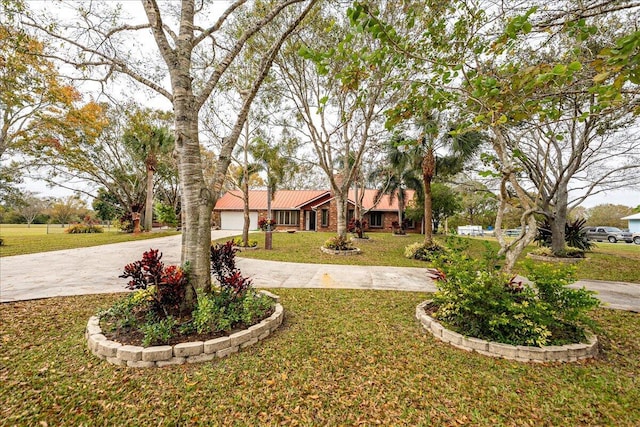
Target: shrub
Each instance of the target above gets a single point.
(567, 252)
(398, 228)
(158, 332)
(84, 228)
(425, 253)
(215, 314)
(169, 283)
(485, 303)
(223, 267)
(240, 243)
(255, 306)
(125, 223)
(575, 235)
(153, 310)
(264, 223)
(338, 243)
(166, 214)
(357, 227)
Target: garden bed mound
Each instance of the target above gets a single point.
(343, 252)
(554, 353)
(135, 336)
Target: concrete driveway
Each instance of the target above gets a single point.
(95, 270)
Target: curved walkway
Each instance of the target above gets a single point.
(95, 270)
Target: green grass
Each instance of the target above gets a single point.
(616, 262)
(22, 240)
(340, 358)
(382, 249)
(38, 229)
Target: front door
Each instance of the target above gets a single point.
(310, 220)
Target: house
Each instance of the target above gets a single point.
(634, 222)
(305, 210)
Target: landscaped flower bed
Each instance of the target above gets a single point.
(157, 325)
(339, 245)
(521, 353)
(478, 307)
(186, 352)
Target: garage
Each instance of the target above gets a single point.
(233, 220)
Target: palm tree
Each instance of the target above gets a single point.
(399, 173)
(461, 148)
(149, 141)
(277, 161)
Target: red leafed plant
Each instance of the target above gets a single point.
(223, 267)
(170, 282)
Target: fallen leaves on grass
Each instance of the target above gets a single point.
(340, 358)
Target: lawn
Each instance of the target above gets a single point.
(341, 358)
(608, 261)
(19, 239)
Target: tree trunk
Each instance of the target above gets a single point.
(400, 208)
(247, 217)
(341, 207)
(245, 186)
(559, 220)
(428, 170)
(197, 199)
(148, 207)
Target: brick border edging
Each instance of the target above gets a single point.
(188, 352)
(520, 353)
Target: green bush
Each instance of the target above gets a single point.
(568, 252)
(128, 313)
(216, 313)
(255, 307)
(158, 332)
(240, 243)
(425, 253)
(482, 302)
(84, 228)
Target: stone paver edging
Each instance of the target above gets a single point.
(521, 353)
(354, 251)
(188, 352)
(552, 259)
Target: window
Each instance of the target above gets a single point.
(325, 217)
(375, 219)
(350, 214)
(409, 223)
(287, 217)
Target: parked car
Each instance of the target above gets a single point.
(612, 234)
(636, 238)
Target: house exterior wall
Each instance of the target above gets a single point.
(634, 225)
(387, 218)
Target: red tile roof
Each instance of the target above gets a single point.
(294, 199)
(385, 204)
(283, 200)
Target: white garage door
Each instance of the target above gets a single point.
(235, 220)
